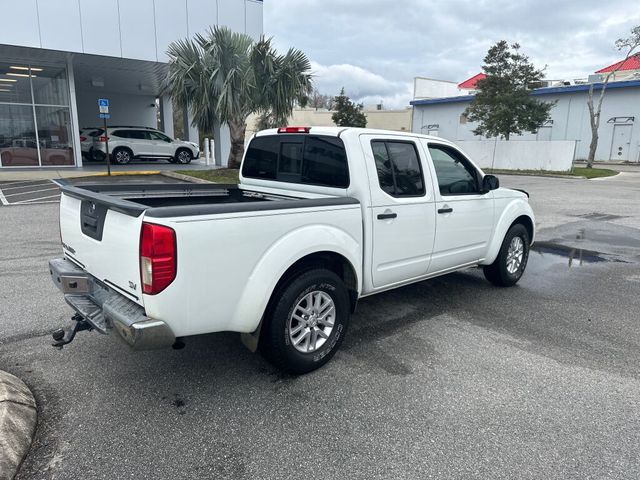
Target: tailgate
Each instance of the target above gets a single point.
(104, 241)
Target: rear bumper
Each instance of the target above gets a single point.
(108, 310)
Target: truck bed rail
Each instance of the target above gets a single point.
(179, 199)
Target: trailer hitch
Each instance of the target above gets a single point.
(62, 337)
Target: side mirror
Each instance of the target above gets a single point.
(490, 182)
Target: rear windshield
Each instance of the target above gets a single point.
(308, 159)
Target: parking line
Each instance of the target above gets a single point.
(13, 182)
(3, 199)
(36, 200)
(32, 191)
(27, 186)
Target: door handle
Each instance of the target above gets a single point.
(386, 216)
(445, 210)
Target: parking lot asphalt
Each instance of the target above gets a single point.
(448, 378)
(33, 192)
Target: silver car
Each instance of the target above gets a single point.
(127, 143)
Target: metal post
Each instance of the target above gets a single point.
(106, 145)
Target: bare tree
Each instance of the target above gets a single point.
(628, 44)
(319, 100)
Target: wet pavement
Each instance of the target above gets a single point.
(601, 215)
(448, 378)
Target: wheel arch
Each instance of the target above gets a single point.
(528, 224)
(324, 259)
(515, 212)
(328, 260)
(325, 247)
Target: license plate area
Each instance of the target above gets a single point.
(74, 284)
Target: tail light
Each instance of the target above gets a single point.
(102, 138)
(294, 130)
(157, 257)
(83, 138)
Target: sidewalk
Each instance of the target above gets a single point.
(18, 174)
(18, 416)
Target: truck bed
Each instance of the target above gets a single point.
(180, 199)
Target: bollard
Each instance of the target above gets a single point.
(207, 157)
(212, 149)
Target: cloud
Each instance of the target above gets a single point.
(362, 85)
(376, 47)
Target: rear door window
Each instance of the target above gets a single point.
(159, 136)
(307, 159)
(121, 134)
(399, 169)
(139, 135)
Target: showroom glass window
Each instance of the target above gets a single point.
(35, 120)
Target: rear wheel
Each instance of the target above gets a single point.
(183, 156)
(512, 258)
(97, 155)
(307, 322)
(121, 156)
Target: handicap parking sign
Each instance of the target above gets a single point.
(103, 105)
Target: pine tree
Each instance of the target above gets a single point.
(347, 113)
(504, 105)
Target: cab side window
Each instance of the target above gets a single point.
(455, 175)
(398, 167)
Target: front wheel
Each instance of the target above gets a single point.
(183, 156)
(121, 156)
(307, 322)
(512, 258)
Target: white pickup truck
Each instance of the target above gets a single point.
(321, 218)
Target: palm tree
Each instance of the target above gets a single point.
(226, 76)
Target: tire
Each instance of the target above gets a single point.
(279, 335)
(121, 156)
(509, 266)
(172, 160)
(97, 155)
(183, 156)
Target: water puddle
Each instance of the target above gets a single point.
(572, 256)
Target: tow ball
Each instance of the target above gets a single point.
(62, 337)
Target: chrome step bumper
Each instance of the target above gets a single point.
(106, 309)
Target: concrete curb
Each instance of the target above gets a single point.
(550, 175)
(125, 173)
(186, 178)
(18, 415)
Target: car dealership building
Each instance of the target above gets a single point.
(58, 57)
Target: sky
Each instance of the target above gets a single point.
(374, 48)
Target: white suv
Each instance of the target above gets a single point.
(127, 143)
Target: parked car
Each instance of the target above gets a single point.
(127, 143)
(86, 139)
(321, 218)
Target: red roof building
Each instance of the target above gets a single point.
(631, 63)
(470, 83)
